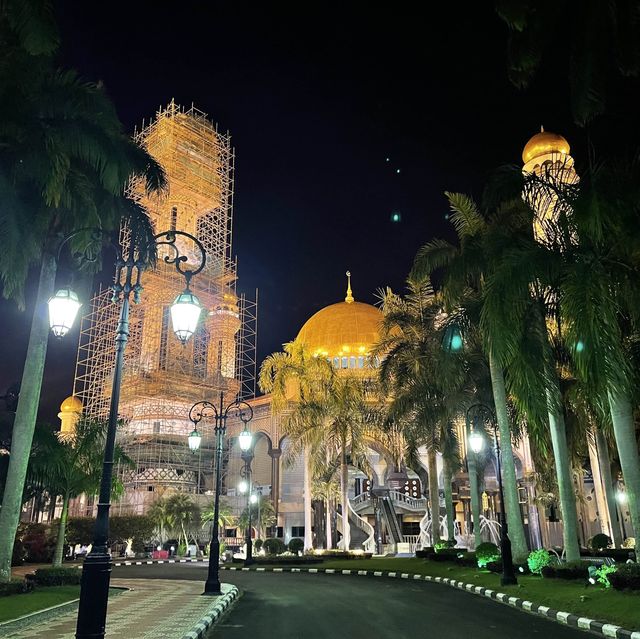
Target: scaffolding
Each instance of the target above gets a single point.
(162, 378)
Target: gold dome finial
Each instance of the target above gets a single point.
(349, 298)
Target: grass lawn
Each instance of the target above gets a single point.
(16, 606)
(622, 608)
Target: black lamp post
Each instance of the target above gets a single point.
(246, 440)
(63, 309)
(197, 413)
(476, 442)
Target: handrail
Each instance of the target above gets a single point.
(395, 496)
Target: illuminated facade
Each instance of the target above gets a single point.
(162, 378)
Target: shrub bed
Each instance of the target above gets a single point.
(13, 587)
(341, 554)
(289, 560)
(626, 577)
(57, 576)
(568, 570)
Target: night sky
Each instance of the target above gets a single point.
(316, 97)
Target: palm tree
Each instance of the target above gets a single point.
(467, 268)
(339, 419)
(70, 467)
(226, 518)
(182, 514)
(263, 515)
(326, 488)
(64, 166)
(593, 41)
(292, 375)
(159, 515)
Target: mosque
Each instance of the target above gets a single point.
(388, 510)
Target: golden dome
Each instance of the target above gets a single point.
(341, 330)
(71, 405)
(544, 143)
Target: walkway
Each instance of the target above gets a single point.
(152, 609)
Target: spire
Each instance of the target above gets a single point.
(541, 128)
(349, 298)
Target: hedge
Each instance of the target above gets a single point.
(568, 570)
(57, 576)
(627, 577)
(13, 587)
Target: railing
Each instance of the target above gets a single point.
(396, 496)
(412, 540)
(369, 544)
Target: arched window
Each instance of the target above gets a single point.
(174, 217)
(336, 362)
(345, 362)
(352, 362)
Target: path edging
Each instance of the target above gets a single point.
(608, 630)
(212, 616)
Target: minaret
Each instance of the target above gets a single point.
(546, 155)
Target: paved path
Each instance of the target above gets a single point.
(152, 609)
(307, 606)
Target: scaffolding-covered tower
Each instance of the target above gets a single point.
(162, 378)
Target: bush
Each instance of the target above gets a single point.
(426, 553)
(485, 553)
(465, 558)
(445, 544)
(57, 576)
(446, 554)
(289, 560)
(626, 577)
(296, 545)
(273, 546)
(602, 574)
(518, 569)
(13, 587)
(567, 570)
(600, 542)
(620, 555)
(257, 544)
(537, 560)
(629, 542)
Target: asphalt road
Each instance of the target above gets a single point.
(308, 606)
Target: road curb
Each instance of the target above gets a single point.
(147, 562)
(222, 604)
(565, 618)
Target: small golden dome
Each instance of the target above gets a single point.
(544, 143)
(71, 405)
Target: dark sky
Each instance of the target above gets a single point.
(316, 97)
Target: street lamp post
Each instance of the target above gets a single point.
(476, 442)
(197, 413)
(63, 308)
(246, 446)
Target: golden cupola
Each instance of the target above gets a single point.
(344, 333)
(544, 144)
(70, 412)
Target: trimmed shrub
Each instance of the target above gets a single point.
(602, 574)
(274, 546)
(257, 544)
(518, 569)
(485, 553)
(537, 560)
(446, 554)
(600, 542)
(57, 576)
(296, 545)
(567, 570)
(465, 558)
(626, 577)
(426, 553)
(445, 544)
(13, 587)
(289, 560)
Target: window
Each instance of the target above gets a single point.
(156, 428)
(352, 362)
(336, 362)
(360, 362)
(345, 362)
(410, 527)
(297, 531)
(174, 217)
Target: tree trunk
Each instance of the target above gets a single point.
(625, 434)
(448, 498)
(344, 486)
(26, 413)
(475, 496)
(605, 473)
(434, 496)
(519, 548)
(62, 528)
(327, 514)
(564, 477)
(308, 534)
